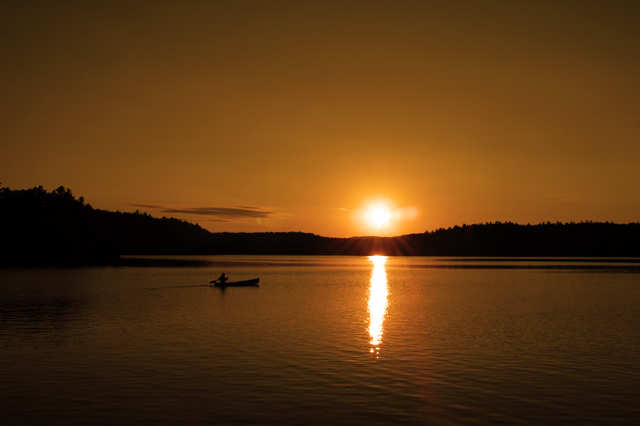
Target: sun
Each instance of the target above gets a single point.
(379, 215)
(382, 216)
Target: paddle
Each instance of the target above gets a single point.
(213, 282)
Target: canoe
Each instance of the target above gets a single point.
(238, 283)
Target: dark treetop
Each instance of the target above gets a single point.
(54, 228)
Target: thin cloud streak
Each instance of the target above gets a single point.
(218, 213)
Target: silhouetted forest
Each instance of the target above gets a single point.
(54, 228)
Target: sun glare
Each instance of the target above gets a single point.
(383, 216)
(380, 216)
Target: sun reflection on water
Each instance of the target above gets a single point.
(378, 300)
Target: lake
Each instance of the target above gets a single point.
(323, 340)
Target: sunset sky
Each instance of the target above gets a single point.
(303, 115)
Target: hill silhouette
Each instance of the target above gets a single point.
(55, 228)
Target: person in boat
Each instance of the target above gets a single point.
(223, 279)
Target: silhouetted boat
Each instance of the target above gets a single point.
(238, 283)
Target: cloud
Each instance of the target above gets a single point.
(222, 214)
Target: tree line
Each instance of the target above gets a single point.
(54, 228)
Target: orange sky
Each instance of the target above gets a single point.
(297, 116)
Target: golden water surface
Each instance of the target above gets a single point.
(322, 341)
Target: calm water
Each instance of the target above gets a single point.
(323, 340)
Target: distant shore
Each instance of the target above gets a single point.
(41, 228)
